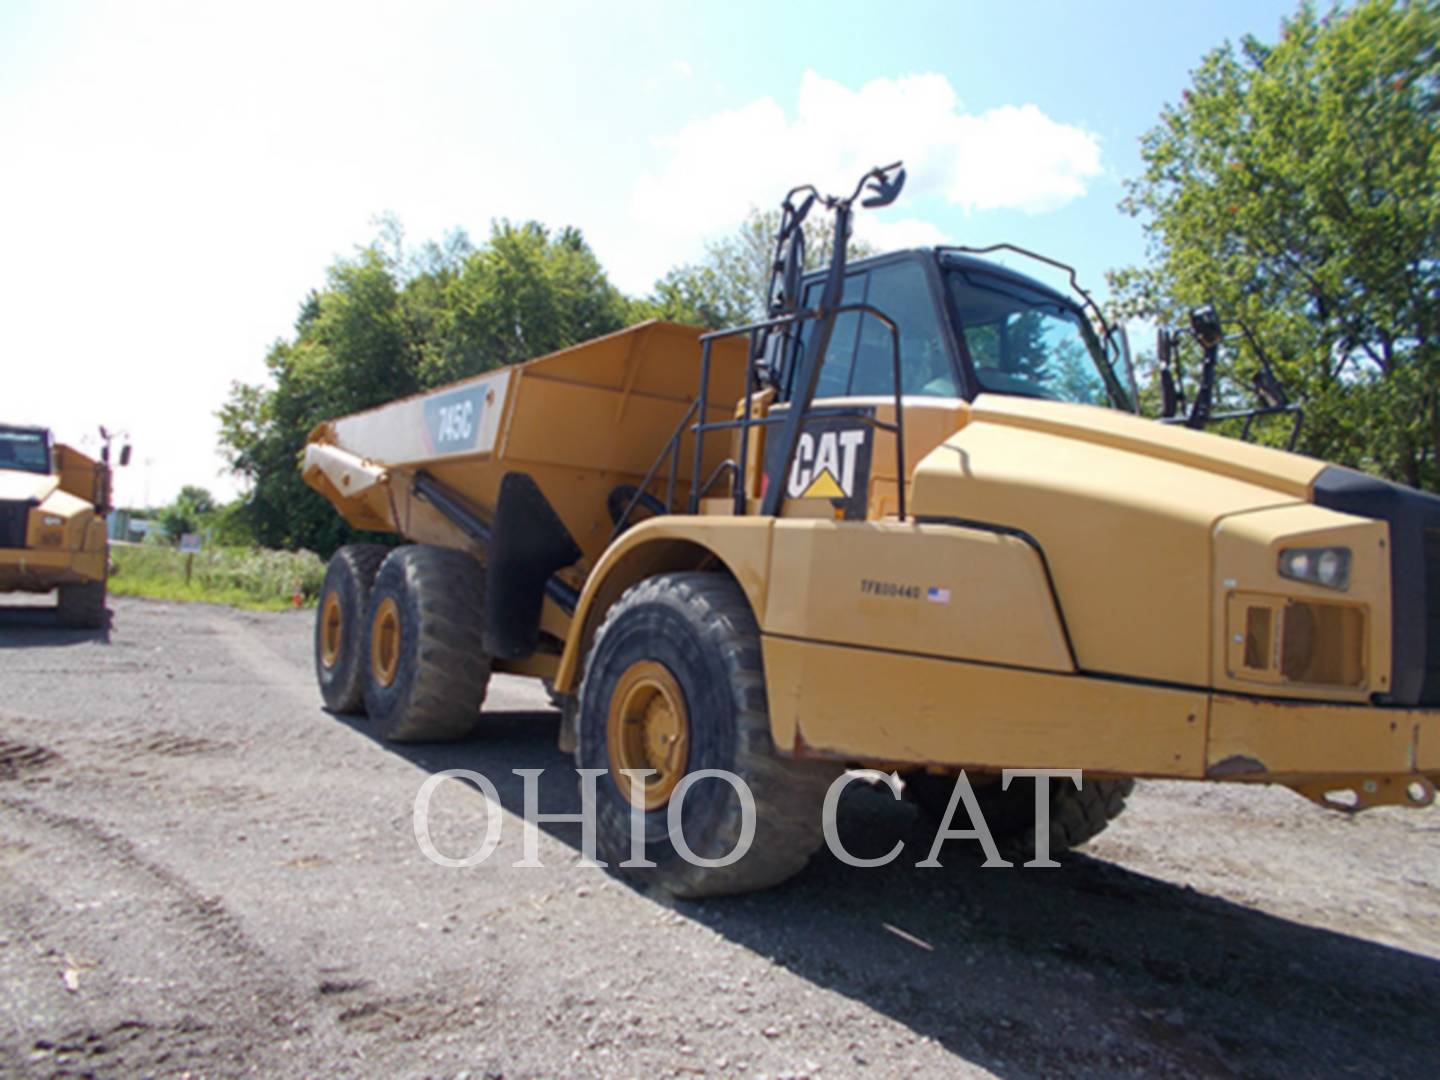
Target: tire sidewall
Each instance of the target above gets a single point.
(661, 629)
(341, 685)
(389, 706)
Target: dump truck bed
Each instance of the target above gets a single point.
(580, 422)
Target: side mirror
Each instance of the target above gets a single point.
(1205, 324)
(884, 188)
(125, 454)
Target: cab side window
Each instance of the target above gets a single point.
(859, 360)
(902, 292)
(840, 356)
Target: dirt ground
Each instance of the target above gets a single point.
(203, 873)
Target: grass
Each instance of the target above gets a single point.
(240, 577)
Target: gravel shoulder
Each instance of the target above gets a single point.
(203, 872)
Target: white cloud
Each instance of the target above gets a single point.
(1013, 157)
(177, 184)
(886, 235)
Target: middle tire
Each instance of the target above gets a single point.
(428, 670)
(675, 682)
(1075, 815)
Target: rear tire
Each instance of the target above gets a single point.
(82, 607)
(1075, 816)
(695, 632)
(427, 669)
(340, 625)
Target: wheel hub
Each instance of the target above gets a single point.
(648, 727)
(331, 629)
(385, 642)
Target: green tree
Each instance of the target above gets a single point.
(525, 294)
(390, 323)
(188, 512)
(1297, 187)
(727, 287)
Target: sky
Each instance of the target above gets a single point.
(176, 177)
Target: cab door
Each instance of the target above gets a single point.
(843, 466)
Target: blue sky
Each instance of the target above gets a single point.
(177, 176)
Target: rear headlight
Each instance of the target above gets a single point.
(1326, 566)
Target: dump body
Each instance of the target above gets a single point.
(581, 423)
(53, 501)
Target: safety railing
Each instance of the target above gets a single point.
(694, 419)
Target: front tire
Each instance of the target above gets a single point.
(675, 682)
(428, 670)
(340, 625)
(82, 607)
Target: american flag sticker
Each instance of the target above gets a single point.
(937, 596)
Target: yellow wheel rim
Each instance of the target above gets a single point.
(332, 625)
(648, 728)
(385, 642)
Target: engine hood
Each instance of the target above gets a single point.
(17, 486)
(1124, 511)
(1289, 474)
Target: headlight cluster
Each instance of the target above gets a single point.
(1325, 566)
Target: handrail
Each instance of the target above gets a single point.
(695, 421)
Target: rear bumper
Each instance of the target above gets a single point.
(25, 570)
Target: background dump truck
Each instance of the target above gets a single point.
(53, 502)
(911, 520)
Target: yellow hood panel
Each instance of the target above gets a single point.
(1124, 510)
(1289, 474)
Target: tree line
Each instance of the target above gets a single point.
(391, 322)
(1296, 186)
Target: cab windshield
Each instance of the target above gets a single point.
(24, 450)
(1028, 342)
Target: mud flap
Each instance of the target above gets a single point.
(528, 543)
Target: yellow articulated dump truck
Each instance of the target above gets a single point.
(912, 521)
(53, 502)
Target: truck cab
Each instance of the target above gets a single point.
(966, 326)
(53, 502)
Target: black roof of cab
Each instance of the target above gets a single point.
(949, 259)
(26, 429)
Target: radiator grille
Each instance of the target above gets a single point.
(14, 514)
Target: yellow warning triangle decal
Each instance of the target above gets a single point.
(823, 487)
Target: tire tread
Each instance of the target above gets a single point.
(788, 794)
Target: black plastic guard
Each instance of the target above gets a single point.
(528, 543)
(1414, 518)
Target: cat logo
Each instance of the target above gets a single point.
(832, 461)
(824, 466)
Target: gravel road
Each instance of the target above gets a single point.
(203, 872)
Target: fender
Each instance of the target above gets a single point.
(658, 544)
